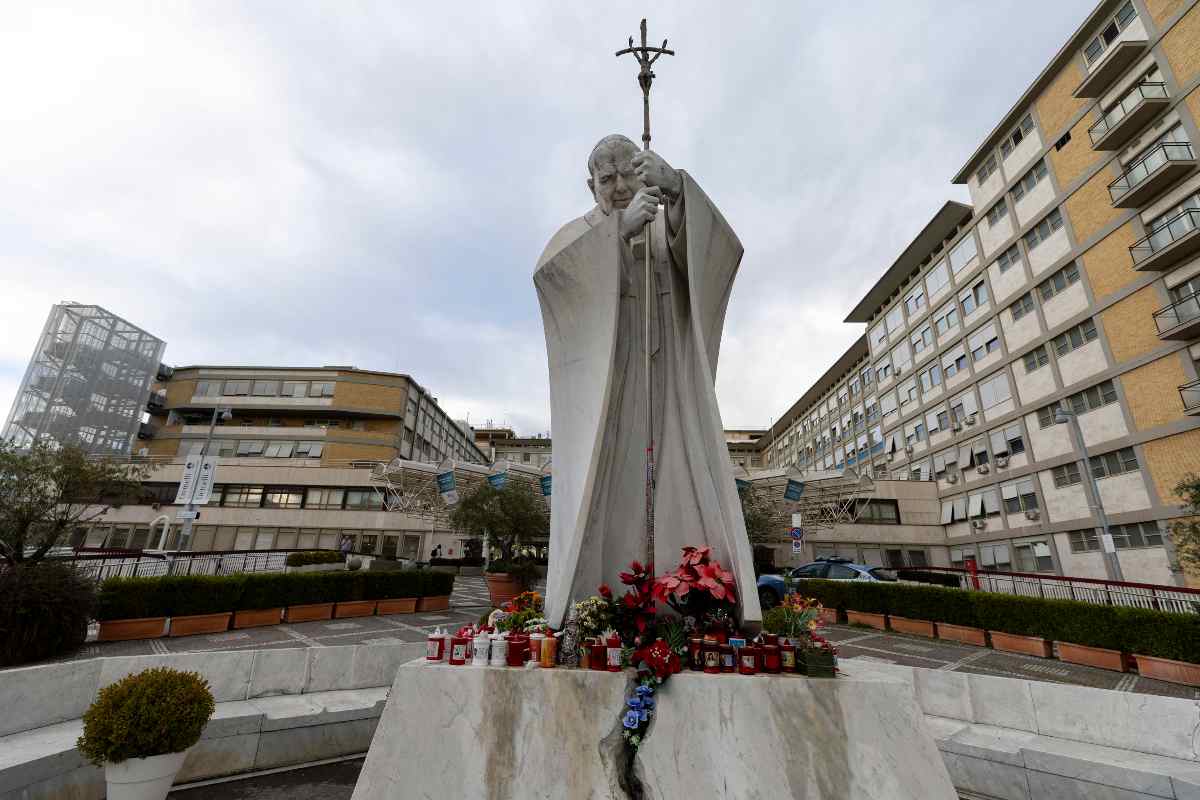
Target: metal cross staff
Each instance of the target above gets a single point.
(646, 57)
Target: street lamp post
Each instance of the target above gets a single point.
(185, 537)
(1112, 564)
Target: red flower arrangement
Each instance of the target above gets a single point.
(698, 586)
(634, 612)
(660, 658)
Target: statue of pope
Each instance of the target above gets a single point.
(592, 290)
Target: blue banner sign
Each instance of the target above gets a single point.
(546, 481)
(446, 487)
(741, 484)
(794, 490)
(498, 480)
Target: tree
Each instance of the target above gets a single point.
(504, 516)
(1186, 533)
(47, 492)
(759, 516)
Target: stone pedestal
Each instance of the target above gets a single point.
(494, 733)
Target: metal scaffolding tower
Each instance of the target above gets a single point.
(87, 383)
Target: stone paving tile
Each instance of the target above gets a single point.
(326, 782)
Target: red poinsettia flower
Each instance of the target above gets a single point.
(694, 556)
(717, 580)
(605, 592)
(659, 657)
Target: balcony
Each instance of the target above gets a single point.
(1150, 175)
(1118, 58)
(146, 431)
(1171, 243)
(1190, 394)
(1180, 320)
(1130, 115)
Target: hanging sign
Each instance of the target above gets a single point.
(498, 480)
(446, 488)
(546, 481)
(741, 484)
(794, 490)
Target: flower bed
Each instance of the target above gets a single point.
(259, 598)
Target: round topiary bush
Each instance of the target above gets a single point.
(150, 713)
(44, 612)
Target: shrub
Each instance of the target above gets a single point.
(949, 580)
(523, 570)
(150, 713)
(436, 584)
(1010, 613)
(393, 584)
(1160, 633)
(44, 612)
(129, 598)
(307, 557)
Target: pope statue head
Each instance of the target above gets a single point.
(613, 180)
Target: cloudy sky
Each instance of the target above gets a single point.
(370, 184)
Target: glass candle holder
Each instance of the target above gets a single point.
(613, 655)
(435, 648)
(458, 650)
(771, 659)
(748, 660)
(599, 655)
(770, 638)
(499, 651)
(695, 656)
(728, 664)
(585, 653)
(549, 652)
(480, 649)
(518, 650)
(711, 653)
(535, 648)
(787, 656)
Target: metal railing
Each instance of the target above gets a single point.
(1088, 590)
(1185, 309)
(1139, 94)
(151, 564)
(1189, 393)
(1184, 224)
(1158, 156)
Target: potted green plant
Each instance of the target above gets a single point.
(141, 728)
(503, 516)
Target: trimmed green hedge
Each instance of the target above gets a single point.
(1133, 630)
(176, 596)
(307, 557)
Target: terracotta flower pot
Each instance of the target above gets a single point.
(257, 618)
(1091, 656)
(1025, 645)
(436, 603)
(121, 630)
(400, 605)
(962, 633)
(354, 608)
(200, 623)
(877, 621)
(308, 613)
(502, 587)
(917, 627)
(1165, 669)
(828, 615)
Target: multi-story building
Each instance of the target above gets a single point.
(87, 382)
(745, 447)
(503, 444)
(294, 460)
(1071, 282)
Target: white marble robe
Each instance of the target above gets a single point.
(591, 289)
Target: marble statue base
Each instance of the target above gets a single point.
(481, 732)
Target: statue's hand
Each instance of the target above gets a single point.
(641, 209)
(654, 171)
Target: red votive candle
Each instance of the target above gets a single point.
(787, 656)
(711, 653)
(770, 638)
(696, 655)
(597, 658)
(771, 659)
(728, 664)
(459, 647)
(518, 651)
(748, 660)
(613, 654)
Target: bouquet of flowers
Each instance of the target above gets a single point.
(593, 616)
(799, 617)
(698, 587)
(634, 614)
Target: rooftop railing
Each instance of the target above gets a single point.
(1157, 157)
(1138, 95)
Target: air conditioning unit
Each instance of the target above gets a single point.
(971, 419)
(908, 449)
(899, 371)
(982, 469)
(1032, 514)
(956, 427)
(952, 478)
(891, 456)
(1001, 461)
(978, 524)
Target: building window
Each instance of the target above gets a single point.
(208, 388)
(995, 390)
(236, 388)
(983, 503)
(1030, 179)
(986, 169)
(1022, 306)
(983, 342)
(1109, 33)
(997, 213)
(1075, 338)
(251, 447)
(265, 388)
(309, 449)
(1042, 231)
(279, 449)
(973, 298)
(908, 391)
(320, 389)
(995, 557)
(323, 498)
(1136, 534)
(901, 357)
(1092, 398)
(955, 361)
(1035, 359)
(1017, 136)
(931, 378)
(947, 318)
(1007, 441)
(915, 301)
(963, 253)
(283, 498)
(294, 389)
(1066, 475)
(1008, 259)
(937, 278)
(243, 496)
(1019, 496)
(1034, 557)
(1084, 541)
(878, 512)
(1117, 462)
(1059, 281)
(363, 499)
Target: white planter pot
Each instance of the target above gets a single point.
(143, 778)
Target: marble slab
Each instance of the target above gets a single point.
(469, 732)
